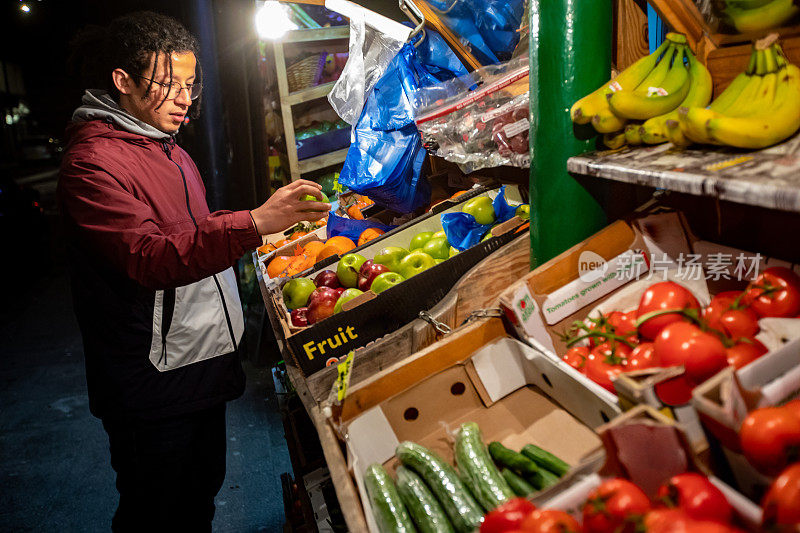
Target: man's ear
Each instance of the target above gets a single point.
(123, 81)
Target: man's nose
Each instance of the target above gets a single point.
(184, 97)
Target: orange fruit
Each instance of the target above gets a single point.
(338, 245)
(369, 234)
(459, 193)
(299, 264)
(265, 248)
(278, 266)
(354, 212)
(321, 222)
(282, 242)
(297, 234)
(313, 248)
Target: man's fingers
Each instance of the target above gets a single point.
(320, 207)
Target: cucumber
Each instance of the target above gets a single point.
(422, 505)
(387, 507)
(474, 462)
(517, 484)
(464, 512)
(542, 479)
(545, 459)
(511, 459)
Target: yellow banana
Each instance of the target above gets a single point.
(771, 126)
(605, 121)
(632, 135)
(614, 140)
(731, 93)
(771, 15)
(675, 133)
(693, 121)
(657, 75)
(746, 4)
(654, 130)
(584, 109)
(642, 106)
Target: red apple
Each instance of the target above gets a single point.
(339, 291)
(299, 318)
(368, 272)
(327, 278)
(321, 304)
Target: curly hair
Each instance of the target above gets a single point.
(128, 43)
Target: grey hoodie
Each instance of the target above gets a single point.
(98, 105)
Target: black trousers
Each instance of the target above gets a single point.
(168, 470)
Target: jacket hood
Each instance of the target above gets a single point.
(98, 105)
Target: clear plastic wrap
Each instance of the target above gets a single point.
(480, 120)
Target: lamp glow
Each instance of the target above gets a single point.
(25, 8)
(272, 20)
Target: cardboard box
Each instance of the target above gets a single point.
(724, 401)
(370, 317)
(609, 271)
(515, 394)
(632, 442)
(263, 260)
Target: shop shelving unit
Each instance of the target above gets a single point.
(290, 99)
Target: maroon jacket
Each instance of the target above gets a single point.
(153, 290)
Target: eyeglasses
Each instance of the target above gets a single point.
(170, 91)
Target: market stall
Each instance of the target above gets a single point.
(504, 355)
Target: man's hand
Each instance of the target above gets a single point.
(284, 208)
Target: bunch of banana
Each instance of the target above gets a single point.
(760, 107)
(653, 86)
(759, 15)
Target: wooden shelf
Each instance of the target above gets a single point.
(322, 161)
(306, 95)
(317, 34)
(767, 178)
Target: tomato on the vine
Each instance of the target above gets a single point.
(696, 496)
(770, 438)
(720, 303)
(663, 296)
(507, 517)
(775, 293)
(738, 323)
(614, 506)
(576, 357)
(781, 504)
(701, 353)
(606, 362)
(664, 521)
(745, 352)
(643, 356)
(550, 521)
(624, 324)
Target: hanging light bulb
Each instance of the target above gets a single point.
(25, 8)
(272, 20)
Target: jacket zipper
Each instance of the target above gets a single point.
(165, 146)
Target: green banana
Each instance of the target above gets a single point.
(584, 109)
(642, 106)
(657, 75)
(770, 15)
(772, 125)
(746, 4)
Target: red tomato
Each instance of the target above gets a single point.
(696, 496)
(745, 352)
(781, 504)
(623, 323)
(576, 357)
(719, 304)
(550, 521)
(738, 323)
(775, 292)
(702, 354)
(606, 362)
(613, 507)
(770, 438)
(664, 521)
(643, 356)
(663, 296)
(507, 517)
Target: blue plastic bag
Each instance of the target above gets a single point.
(463, 231)
(385, 157)
(350, 228)
(490, 26)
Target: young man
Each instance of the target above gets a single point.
(153, 288)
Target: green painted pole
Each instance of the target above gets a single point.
(570, 56)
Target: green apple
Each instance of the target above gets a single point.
(296, 292)
(481, 208)
(311, 198)
(440, 261)
(348, 268)
(414, 263)
(487, 236)
(346, 296)
(439, 234)
(390, 256)
(419, 240)
(524, 211)
(386, 281)
(453, 251)
(438, 248)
